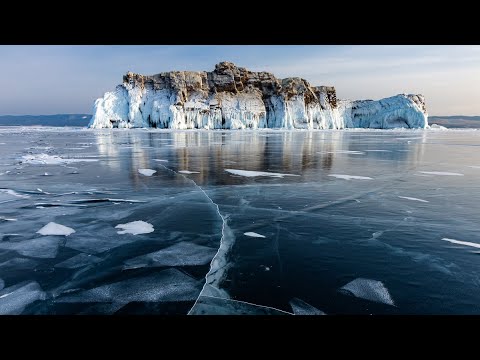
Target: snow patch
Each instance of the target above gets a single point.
(188, 172)
(253, 234)
(351, 177)
(55, 229)
(147, 172)
(135, 228)
(248, 173)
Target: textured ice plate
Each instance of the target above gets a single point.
(368, 289)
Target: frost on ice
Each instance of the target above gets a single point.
(351, 177)
(253, 234)
(135, 228)
(248, 173)
(147, 172)
(300, 307)
(55, 229)
(368, 289)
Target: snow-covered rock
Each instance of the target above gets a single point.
(232, 97)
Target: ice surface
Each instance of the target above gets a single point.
(207, 305)
(147, 172)
(44, 247)
(55, 229)
(413, 199)
(441, 173)
(18, 264)
(351, 177)
(2, 284)
(368, 289)
(135, 228)
(188, 172)
(45, 159)
(180, 254)
(466, 243)
(14, 299)
(253, 234)
(167, 285)
(300, 307)
(249, 173)
(78, 261)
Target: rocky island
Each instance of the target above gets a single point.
(232, 97)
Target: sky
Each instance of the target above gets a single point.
(45, 79)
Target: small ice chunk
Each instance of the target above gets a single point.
(466, 243)
(166, 285)
(253, 234)
(14, 299)
(368, 289)
(44, 247)
(206, 305)
(160, 160)
(78, 261)
(55, 229)
(441, 173)
(351, 177)
(147, 172)
(248, 173)
(300, 307)
(413, 199)
(188, 172)
(135, 228)
(181, 254)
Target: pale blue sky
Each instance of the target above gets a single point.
(68, 79)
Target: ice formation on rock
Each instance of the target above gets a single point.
(232, 97)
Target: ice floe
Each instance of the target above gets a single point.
(350, 177)
(253, 234)
(147, 172)
(413, 199)
(249, 173)
(300, 307)
(368, 289)
(53, 228)
(14, 299)
(466, 243)
(180, 254)
(78, 261)
(135, 228)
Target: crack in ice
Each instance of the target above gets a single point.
(221, 238)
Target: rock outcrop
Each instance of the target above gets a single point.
(232, 97)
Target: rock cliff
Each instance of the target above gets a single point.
(232, 97)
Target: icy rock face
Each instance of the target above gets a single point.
(232, 97)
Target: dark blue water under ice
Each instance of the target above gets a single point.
(398, 235)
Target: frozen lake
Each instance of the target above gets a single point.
(239, 222)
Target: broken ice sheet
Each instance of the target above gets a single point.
(42, 247)
(78, 261)
(180, 254)
(166, 285)
(18, 264)
(368, 289)
(300, 307)
(14, 299)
